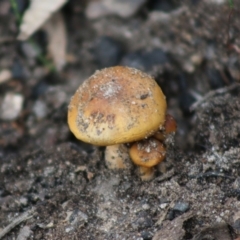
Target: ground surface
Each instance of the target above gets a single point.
(55, 187)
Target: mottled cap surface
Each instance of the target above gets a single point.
(116, 105)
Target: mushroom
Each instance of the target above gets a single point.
(167, 129)
(147, 154)
(114, 106)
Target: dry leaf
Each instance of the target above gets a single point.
(125, 9)
(220, 231)
(57, 39)
(36, 15)
(173, 230)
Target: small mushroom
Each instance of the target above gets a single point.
(147, 154)
(168, 128)
(114, 106)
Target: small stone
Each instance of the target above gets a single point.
(134, 60)
(40, 109)
(215, 78)
(236, 184)
(11, 106)
(29, 50)
(143, 221)
(236, 225)
(181, 207)
(196, 59)
(18, 71)
(236, 221)
(69, 229)
(146, 235)
(155, 57)
(24, 233)
(163, 205)
(5, 75)
(76, 217)
(81, 168)
(23, 201)
(145, 60)
(219, 2)
(163, 5)
(146, 206)
(107, 52)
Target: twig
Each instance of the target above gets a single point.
(210, 174)
(164, 214)
(25, 216)
(213, 93)
(165, 176)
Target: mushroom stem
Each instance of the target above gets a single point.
(146, 173)
(117, 157)
(147, 154)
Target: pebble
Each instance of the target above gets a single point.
(146, 235)
(107, 52)
(124, 9)
(236, 225)
(39, 89)
(145, 60)
(163, 205)
(24, 233)
(219, 2)
(11, 106)
(18, 70)
(134, 60)
(185, 98)
(40, 109)
(236, 222)
(215, 78)
(23, 201)
(5, 75)
(155, 57)
(143, 221)
(162, 5)
(181, 207)
(146, 206)
(77, 216)
(236, 184)
(185, 102)
(29, 50)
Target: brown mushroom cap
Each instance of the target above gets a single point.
(116, 105)
(169, 127)
(148, 152)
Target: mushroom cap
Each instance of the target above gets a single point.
(116, 105)
(169, 128)
(148, 152)
(170, 124)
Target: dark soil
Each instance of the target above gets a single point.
(53, 186)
